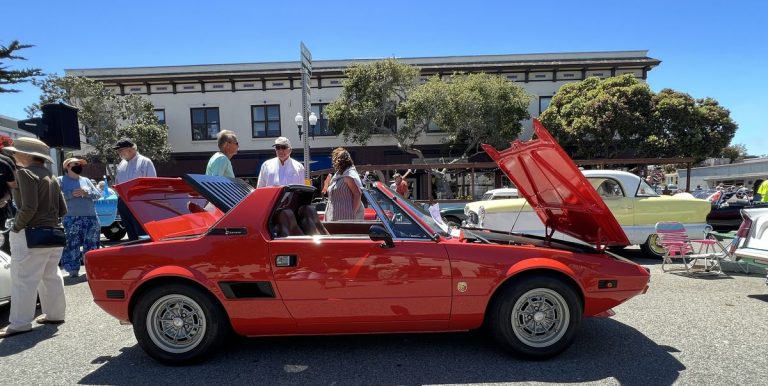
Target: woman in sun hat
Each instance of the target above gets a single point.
(81, 222)
(34, 270)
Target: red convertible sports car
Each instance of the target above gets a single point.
(223, 257)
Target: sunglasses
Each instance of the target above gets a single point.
(235, 142)
(280, 147)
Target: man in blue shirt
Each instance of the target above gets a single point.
(220, 164)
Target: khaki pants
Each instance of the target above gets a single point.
(33, 271)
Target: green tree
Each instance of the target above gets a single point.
(598, 118)
(369, 98)
(471, 109)
(735, 152)
(9, 77)
(105, 117)
(686, 127)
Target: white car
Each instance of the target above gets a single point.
(5, 278)
(500, 194)
(633, 202)
(754, 231)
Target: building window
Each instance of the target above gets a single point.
(205, 123)
(544, 103)
(160, 114)
(266, 121)
(321, 128)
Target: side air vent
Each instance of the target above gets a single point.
(115, 294)
(247, 290)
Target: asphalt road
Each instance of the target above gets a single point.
(685, 330)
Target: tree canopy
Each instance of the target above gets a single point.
(10, 77)
(105, 117)
(735, 152)
(470, 109)
(599, 117)
(621, 116)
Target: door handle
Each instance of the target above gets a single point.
(286, 260)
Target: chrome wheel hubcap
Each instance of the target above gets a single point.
(176, 323)
(540, 317)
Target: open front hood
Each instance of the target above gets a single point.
(559, 193)
(175, 207)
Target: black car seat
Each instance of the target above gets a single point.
(284, 224)
(310, 222)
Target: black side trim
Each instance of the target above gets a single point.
(228, 231)
(247, 290)
(115, 294)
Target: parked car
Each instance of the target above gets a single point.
(632, 201)
(500, 194)
(259, 262)
(454, 216)
(753, 247)
(726, 210)
(5, 278)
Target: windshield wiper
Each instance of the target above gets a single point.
(483, 239)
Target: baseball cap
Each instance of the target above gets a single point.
(123, 143)
(282, 141)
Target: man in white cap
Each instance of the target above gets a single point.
(281, 170)
(133, 165)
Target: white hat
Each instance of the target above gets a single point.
(31, 146)
(282, 141)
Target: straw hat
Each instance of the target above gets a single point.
(31, 146)
(73, 159)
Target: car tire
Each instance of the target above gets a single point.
(536, 317)
(651, 247)
(452, 221)
(178, 324)
(115, 232)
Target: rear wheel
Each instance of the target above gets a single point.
(536, 317)
(651, 247)
(178, 324)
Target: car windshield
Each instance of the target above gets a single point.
(645, 190)
(420, 212)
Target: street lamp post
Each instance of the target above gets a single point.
(299, 123)
(312, 123)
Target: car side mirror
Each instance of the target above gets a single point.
(378, 233)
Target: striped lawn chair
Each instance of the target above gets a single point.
(674, 239)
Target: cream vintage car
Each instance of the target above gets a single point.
(633, 202)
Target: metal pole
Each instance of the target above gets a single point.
(306, 70)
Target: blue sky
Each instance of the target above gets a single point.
(708, 48)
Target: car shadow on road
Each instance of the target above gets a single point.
(604, 349)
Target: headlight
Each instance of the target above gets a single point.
(466, 210)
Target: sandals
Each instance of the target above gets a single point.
(8, 332)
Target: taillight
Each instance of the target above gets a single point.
(745, 225)
(743, 231)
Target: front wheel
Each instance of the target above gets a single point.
(536, 317)
(178, 324)
(651, 248)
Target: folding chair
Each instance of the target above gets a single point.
(674, 239)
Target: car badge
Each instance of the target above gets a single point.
(462, 286)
